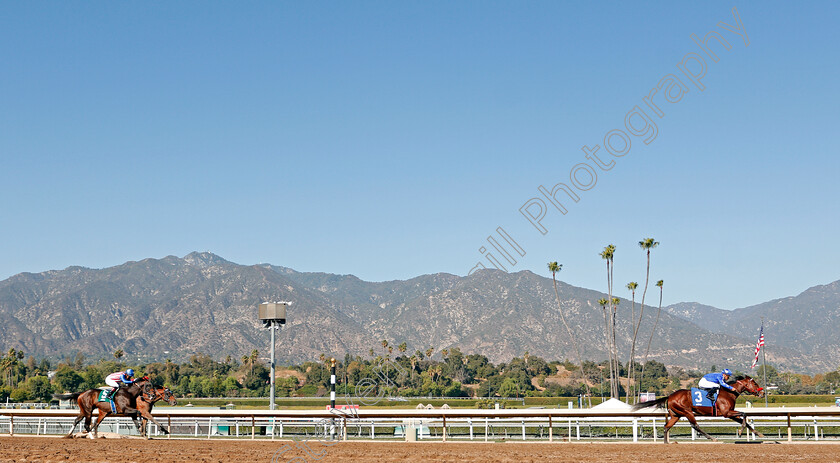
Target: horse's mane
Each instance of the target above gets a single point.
(737, 378)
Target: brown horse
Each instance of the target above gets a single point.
(125, 400)
(679, 405)
(144, 406)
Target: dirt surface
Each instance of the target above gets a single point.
(48, 449)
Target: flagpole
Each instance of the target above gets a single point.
(764, 361)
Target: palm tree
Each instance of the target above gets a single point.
(444, 353)
(603, 303)
(429, 352)
(659, 284)
(615, 302)
(632, 287)
(608, 254)
(252, 359)
(385, 344)
(118, 354)
(402, 347)
(646, 244)
(322, 357)
(554, 267)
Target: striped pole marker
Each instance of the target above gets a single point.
(332, 383)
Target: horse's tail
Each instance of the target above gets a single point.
(658, 403)
(72, 396)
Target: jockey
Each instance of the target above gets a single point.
(713, 381)
(117, 379)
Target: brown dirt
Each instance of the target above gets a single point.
(46, 449)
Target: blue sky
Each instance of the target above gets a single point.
(389, 139)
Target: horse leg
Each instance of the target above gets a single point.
(739, 417)
(693, 421)
(73, 428)
(102, 415)
(139, 424)
(148, 416)
(671, 422)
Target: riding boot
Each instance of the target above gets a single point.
(710, 394)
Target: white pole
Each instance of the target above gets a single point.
(653, 428)
(635, 430)
(272, 327)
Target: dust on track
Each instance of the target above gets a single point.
(43, 449)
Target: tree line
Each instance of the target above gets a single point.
(447, 373)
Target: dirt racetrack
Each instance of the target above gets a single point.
(48, 449)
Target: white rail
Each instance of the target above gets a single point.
(443, 424)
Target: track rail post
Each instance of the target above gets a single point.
(790, 431)
(550, 430)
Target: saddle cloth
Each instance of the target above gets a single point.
(102, 397)
(699, 399)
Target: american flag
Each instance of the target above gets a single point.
(758, 345)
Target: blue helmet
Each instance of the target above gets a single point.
(130, 372)
(727, 372)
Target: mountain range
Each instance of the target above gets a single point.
(173, 307)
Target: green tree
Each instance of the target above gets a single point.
(39, 388)
(509, 388)
(118, 354)
(67, 380)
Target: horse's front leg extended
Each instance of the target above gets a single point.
(138, 423)
(151, 418)
(742, 418)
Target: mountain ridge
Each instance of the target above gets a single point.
(172, 307)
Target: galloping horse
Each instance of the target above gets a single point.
(144, 406)
(125, 400)
(679, 405)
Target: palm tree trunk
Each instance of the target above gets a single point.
(614, 345)
(650, 339)
(630, 371)
(610, 329)
(641, 311)
(607, 347)
(571, 336)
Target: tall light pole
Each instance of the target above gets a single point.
(273, 316)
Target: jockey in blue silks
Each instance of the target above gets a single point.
(713, 381)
